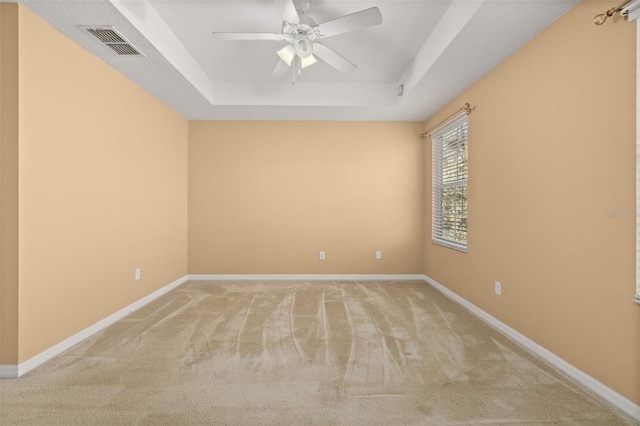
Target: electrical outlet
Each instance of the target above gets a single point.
(321, 255)
(137, 274)
(498, 288)
(378, 255)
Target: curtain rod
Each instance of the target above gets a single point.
(466, 108)
(602, 17)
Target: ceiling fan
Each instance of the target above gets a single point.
(303, 33)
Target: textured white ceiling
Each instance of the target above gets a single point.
(436, 48)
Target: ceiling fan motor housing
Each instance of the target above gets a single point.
(306, 29)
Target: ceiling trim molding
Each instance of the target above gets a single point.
(305, 94)
(146, 19)
(456, 17)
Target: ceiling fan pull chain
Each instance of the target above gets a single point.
(296, 66)
(293, 72)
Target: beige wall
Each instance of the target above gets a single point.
(267, 197)
(552, 148)
(8, 184)
(102, 189)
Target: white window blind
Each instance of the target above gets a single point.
(449, 180)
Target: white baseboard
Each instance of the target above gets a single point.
(307, 277)
(8, 371)
(606, 393)
(13, 371)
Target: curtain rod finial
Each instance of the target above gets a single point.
(600, 19)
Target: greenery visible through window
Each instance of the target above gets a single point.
(450, 174)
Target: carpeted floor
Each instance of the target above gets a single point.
(285, 353)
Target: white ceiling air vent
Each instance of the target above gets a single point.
(114, 40)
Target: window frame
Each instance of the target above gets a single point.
(438, 184)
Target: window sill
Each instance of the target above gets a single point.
(450, 244)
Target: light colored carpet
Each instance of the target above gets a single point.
(329, 353)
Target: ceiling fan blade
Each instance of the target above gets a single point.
(247, 36)
(355, 21)
(280, 70)
(288, 11)
(333, 59)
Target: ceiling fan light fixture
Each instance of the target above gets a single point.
(287, 53)
(309, 60)
(304, 48)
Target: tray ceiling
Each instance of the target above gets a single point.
(435, 49)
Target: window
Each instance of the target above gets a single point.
(450, 171)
